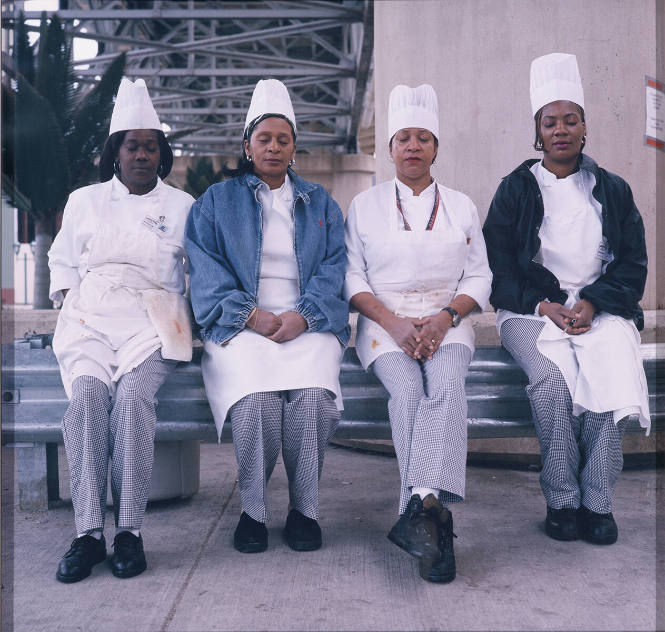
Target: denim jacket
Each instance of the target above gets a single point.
(224, 242)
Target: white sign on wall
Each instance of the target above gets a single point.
(655, 113)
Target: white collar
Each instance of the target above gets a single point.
(119, 190)
(406, 191)
(549, 179)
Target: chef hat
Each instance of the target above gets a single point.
(270, 97)
(133, 108)
(555, 77)
(413, 107)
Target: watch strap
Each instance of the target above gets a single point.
(457, 319)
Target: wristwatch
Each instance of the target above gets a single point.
(457, 319)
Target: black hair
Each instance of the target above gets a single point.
(107, 161)
(538, 142)
(244, 164)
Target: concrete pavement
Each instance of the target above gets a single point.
(511, 576)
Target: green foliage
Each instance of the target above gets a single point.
(201, 177)
(51, 133)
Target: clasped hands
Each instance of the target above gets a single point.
(574, 321)
(286, 326)
(419, 338)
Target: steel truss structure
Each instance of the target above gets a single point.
(201, 61)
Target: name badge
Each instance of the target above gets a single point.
(155, 224)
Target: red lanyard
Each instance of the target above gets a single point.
(432, 217)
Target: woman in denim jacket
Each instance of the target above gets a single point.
(267, 263)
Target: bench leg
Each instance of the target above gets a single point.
(38, 480)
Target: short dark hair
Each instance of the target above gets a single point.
(244, 165)
(538, 142)
(112, 146)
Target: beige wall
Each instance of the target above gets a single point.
(477, 54)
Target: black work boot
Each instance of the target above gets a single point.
(441, 568)
(302, 533)
(597, 528)
(251, 536)
(83, 554)
(128, 558)
(561, 524)
(415, 531)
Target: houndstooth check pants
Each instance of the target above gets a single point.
(300, 421)
(427, 411)
(582, 456)
(97, 430)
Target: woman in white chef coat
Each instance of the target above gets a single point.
(417, 267)
(566, 247)
(118, 261)
(267, 262)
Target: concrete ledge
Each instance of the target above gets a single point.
(18, 320)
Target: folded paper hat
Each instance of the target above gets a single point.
(555, 77)
(413, 107)
(270, 97)
(133, 108)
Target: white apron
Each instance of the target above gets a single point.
(121, 313)
(428, 266)
(251, 363)
(603, 368)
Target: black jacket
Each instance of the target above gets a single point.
(511, 234)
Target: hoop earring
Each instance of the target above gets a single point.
(160, 170)
(116, 167)
(249, 158)
(538, 145)
(583, 141)
(292, 162)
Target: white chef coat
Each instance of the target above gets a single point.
(251, 363)
(603, 368)
(414, 273)
(122, 258)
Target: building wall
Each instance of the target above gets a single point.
(477, 55)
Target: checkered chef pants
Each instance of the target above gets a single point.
(581, 456)
(95, 429)
(300, 421)
(427, 410)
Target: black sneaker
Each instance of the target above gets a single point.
(596, 527)
(441, 568)
(83, 554)
(561, 524)
(251, 536)
(302, 533)
(415, 531)
(128, 559)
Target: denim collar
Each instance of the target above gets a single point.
(301, 187)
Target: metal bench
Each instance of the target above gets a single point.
(34, 401)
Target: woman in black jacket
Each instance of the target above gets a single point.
(566, 246)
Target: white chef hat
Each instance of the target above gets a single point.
(133, 108)
(555, 77)
(413, 107)
(270, 97)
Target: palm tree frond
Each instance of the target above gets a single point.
(41, 165)
(90, 123)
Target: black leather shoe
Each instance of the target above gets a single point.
(597, 528)
(128, 559)
(561, 524)
(415, 531)
(251, 536)
(302, 533)
(441, 568)
(83, 554)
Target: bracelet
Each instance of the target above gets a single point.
(253, 314)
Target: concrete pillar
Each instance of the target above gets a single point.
(477, 55)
